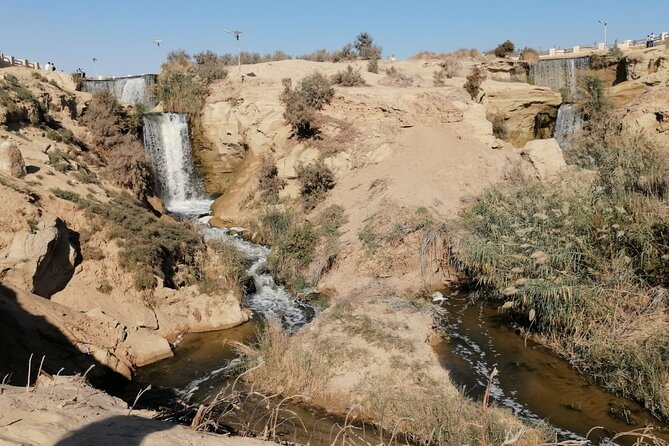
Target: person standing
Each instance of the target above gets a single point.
(47, 67)
(652, 40)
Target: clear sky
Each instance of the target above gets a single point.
(119, 33)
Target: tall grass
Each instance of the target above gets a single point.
(583, 259)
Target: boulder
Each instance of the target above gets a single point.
(546, 157)
(146, 347)
(11, 160)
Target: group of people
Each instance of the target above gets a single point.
(81, 73)
(49, 67)
(650, 40)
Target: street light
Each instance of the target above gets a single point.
(237, 33)
(95, 59)
(158, 42)
(605, 24)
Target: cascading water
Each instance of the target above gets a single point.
(167, 142)
(567, 125)
(130, 90)
(558, 73)
(269, 300)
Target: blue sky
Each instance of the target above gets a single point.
(120, 33)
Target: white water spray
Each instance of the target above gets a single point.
(167, 142)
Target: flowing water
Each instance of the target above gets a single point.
(558, 73)
(568, 124)
(129, 90)
(167, 141)
(532, 382)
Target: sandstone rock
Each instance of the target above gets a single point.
(546, 157)
(146, 347)
(190, 311)
(43, 260)
(11, 160)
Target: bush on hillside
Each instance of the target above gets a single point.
(373, 65)
(209, 67)
(114, 135)
(269, 182)
(504, 49)
(301, 103)
(315, 180)
(181, 92)
(451, 67)
(474, 82)
(149, 246)
(530, 55)
(348, 78)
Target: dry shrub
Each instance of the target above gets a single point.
(396, 78)
(269, 182)
(474, 82)
(222, 268)
(348, 78)
(301, 103)
(315, 180)
(130, 168)
(530, 55)
(111, 131)
(450, 68)
(373, 66)
(209, 67)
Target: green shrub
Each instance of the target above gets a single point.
(315, 180)
(504, 49)
(474, 82)
(149, 246)
(60, 160)
(302, 102)
(348, 78)
(181, 92)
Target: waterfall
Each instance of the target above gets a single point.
(567, 125)
(129, 90)
(558, 73)
(167, 142)
(269, 300)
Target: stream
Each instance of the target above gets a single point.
(532, 382)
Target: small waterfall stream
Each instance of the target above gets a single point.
(269, 300)
(558, 73)
(567, 125)
(167, 142)
(129, 90)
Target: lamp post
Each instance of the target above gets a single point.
(95, 59)
(236, 33)
(158, 42)
(605, 24)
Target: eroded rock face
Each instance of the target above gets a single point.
(529, 111)
(546, 157)
(43, 260)
(11, 160)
